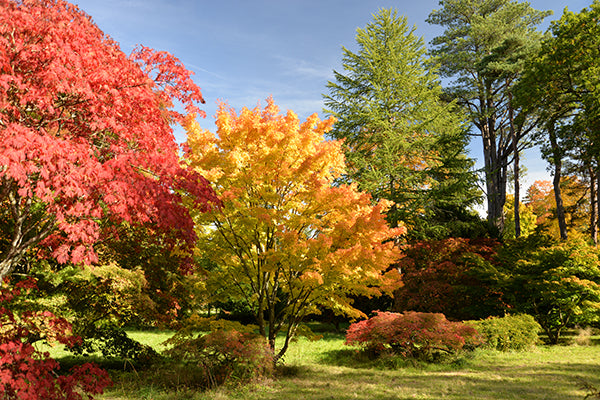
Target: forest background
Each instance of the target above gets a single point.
(107, 223)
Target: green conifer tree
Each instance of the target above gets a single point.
(483, 49)
(402, 141)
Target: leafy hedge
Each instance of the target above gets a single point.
(512, 332)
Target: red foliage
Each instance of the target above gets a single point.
(26, 373)
(226, 355)
(445, 276)
(26, 376)
(411, 334)
(85, 131)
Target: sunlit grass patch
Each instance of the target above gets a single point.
(327, 369)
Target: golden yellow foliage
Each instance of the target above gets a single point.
(288, 239)
(540, 197)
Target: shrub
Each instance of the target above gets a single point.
(411, 334)
(512, 332)
(114, 343)
(224, 356)
(452, 276)
(28, 374)
(557, 282)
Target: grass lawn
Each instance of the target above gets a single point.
(325, 370)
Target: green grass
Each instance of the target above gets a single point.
(545, 373)
(154, 338)
(326, 369)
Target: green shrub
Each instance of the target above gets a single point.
(512, 332)
(114, 343)
(557, 282)
(423, 336)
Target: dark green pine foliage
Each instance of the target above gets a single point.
(402, 142)
(483, 49)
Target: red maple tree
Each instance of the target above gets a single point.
(449, 276)
(86, 138)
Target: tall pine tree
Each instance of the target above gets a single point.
(402, 142)
(483, 49)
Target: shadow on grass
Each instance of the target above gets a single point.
(552, 373)
(353, 358)
(109, 364)
(552, 381)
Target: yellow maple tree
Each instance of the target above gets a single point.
(575, 196)
(288, 239)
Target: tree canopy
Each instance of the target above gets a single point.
(85, 136)
(484, 47)
(561, 85)
(288, 239)
(402, 142)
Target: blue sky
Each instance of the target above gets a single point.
(243, 51)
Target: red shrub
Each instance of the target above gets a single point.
(225, 356)
(411, 334)
(28, 374)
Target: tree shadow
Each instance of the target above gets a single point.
(333, 380)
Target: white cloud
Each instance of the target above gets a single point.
(302, 68)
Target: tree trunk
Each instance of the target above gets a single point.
(272, 328)
(290, 333)
(260, 315)
(28, 229)
(496, 186)
(593, 206)
(560, 209)
(495, 181)
(557, 161)
(495, 161)
(515, 148)
(517, 197)
(597, 175)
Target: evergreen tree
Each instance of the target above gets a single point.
(484, 48)
(402, 142)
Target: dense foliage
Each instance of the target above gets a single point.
(287, 239)
(25, 372)
(450, 276)
(527, 219)
(402, 142)
(558, 283)
(511, 332)
(576, 204)
(411, 334)
(85, 136)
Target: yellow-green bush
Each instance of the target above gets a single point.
(512, 332)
